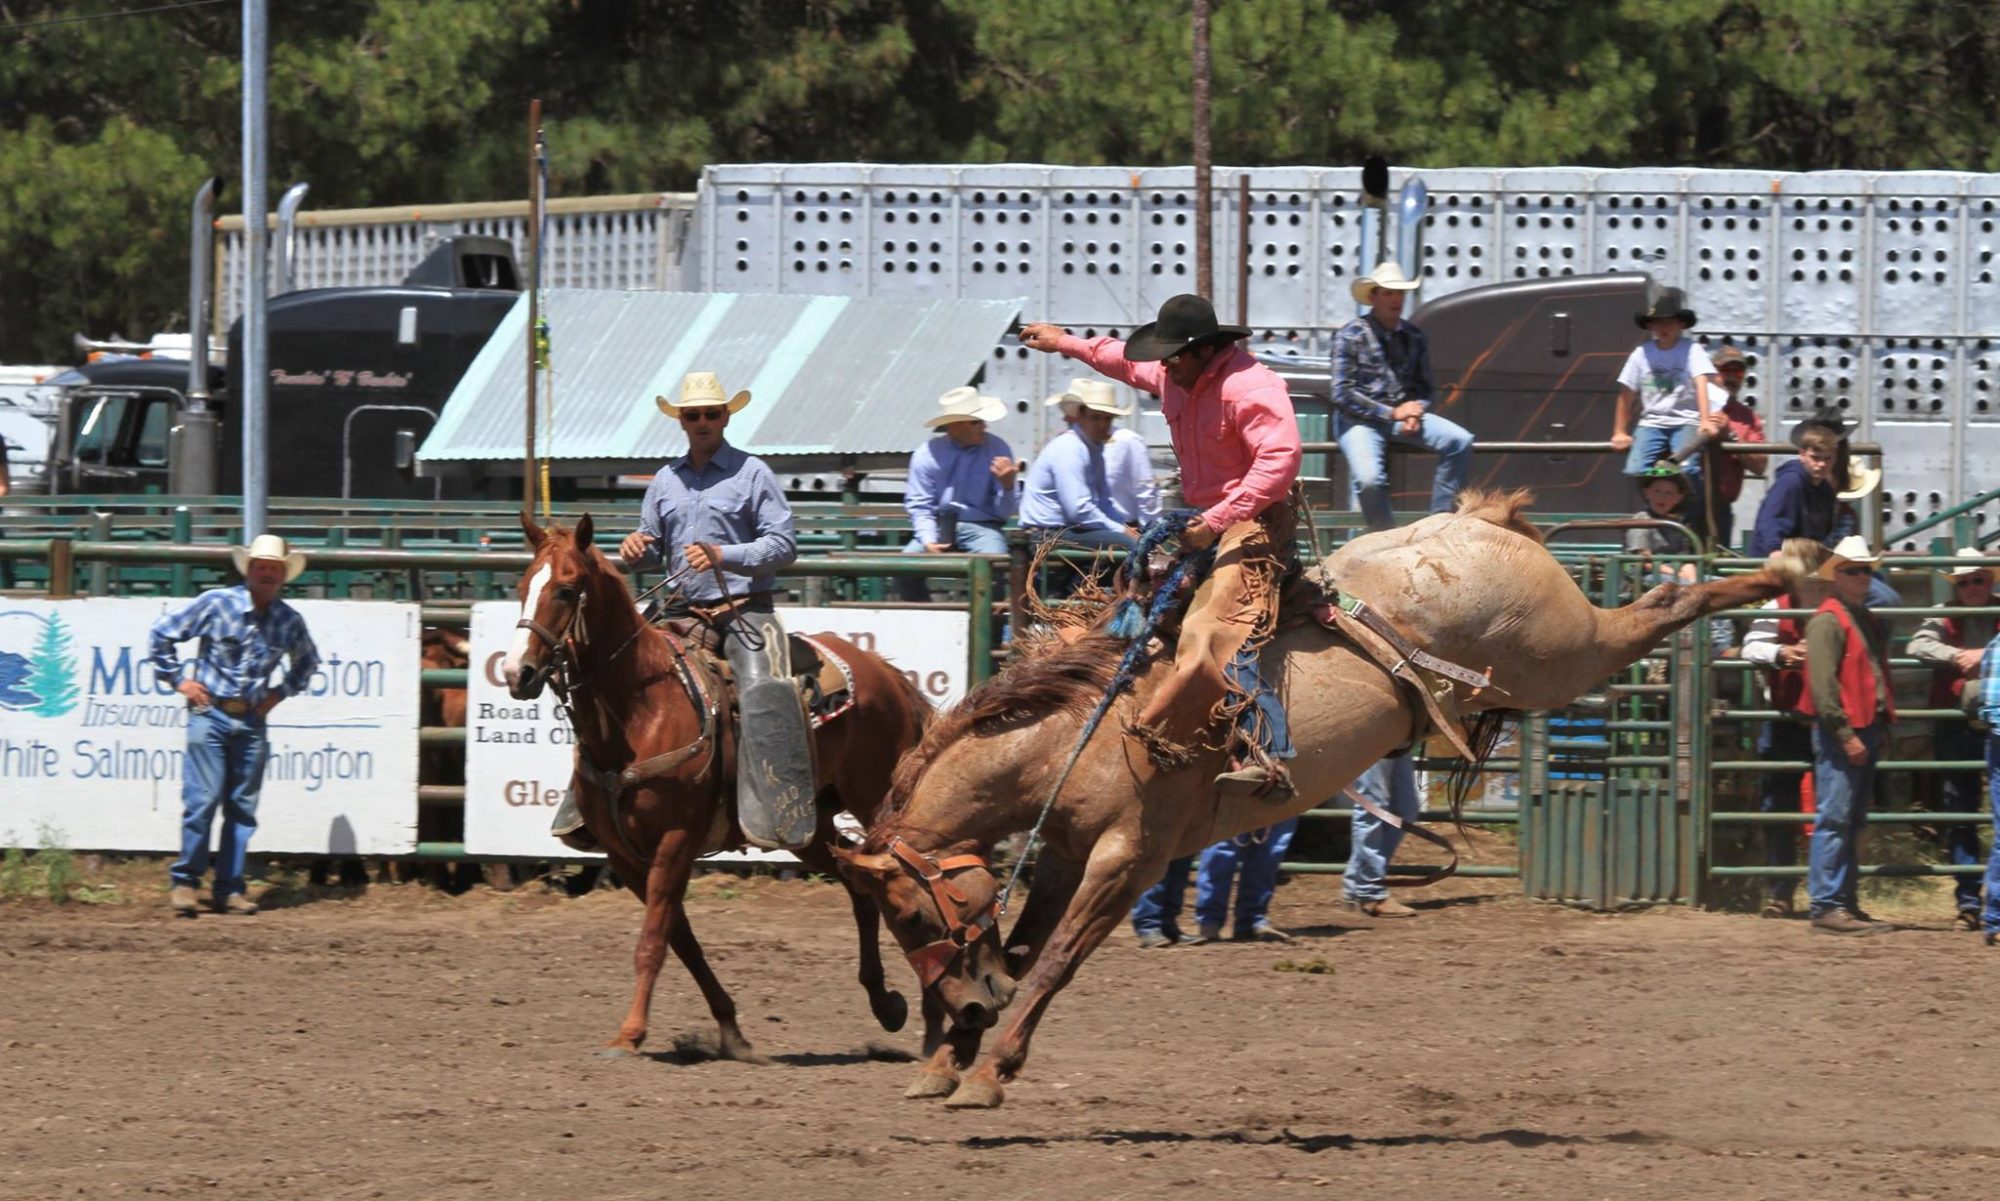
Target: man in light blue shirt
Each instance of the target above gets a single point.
(1128, 463)
(244, 632)
(961, 489)
(1068, 494)
(718, 515)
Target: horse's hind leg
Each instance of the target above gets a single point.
(890, 1007)
(1112, 880)
(950, 1054)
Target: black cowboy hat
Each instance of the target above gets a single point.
(1185, 321)
(1820, 420)
(1670, 303)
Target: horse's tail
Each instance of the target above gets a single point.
(1500, 508)
(1482, 734)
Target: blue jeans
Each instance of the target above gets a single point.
(1992, 919)
(1255, 856)
(1364, 444)
(224, 768)
(1392, 784)
(1842, 794)
(1651, 443)
(1159, 907)
(1782, 741)
(971, 537)
(1961, 793)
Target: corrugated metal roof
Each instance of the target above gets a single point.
(826, 374)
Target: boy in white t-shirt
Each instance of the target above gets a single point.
(1673, 384)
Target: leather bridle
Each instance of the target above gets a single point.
(933, 959)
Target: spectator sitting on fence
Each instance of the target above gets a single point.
(1953, 645)
(1128, 468)
(1981, 703)
(1801, 499)
(1390, 785)
(1156, 914)
(1779, 643)
(1382, 392)
(1668, 379)
(1850, 692)
(1723, 471)
(244, 631)
(1067, 495)
(1666, 491)
(961, 489)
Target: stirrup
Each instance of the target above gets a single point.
(1266, 782)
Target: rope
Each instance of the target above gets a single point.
(1165, 526)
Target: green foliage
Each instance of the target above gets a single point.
(107, 126)
(51, 873)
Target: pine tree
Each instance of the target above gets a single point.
(54, 676)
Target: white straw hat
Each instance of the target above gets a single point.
(966, 404)
(1094, 394)
(1968, 552)
(268, 546)
(1388, 275)
(1852, 549)
(701, 389)
(1861, 480)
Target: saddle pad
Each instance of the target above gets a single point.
(825, 677)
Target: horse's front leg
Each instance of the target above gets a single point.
(660, 896)
(1112, 881)
(1056, 882)
(890, 1008)
(950, 1053)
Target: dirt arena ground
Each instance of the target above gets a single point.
(407, 1044)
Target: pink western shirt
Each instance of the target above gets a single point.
(1234, 433)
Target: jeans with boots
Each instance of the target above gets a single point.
(774, 777)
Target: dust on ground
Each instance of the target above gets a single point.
(400, 1042)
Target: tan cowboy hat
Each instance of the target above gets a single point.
(1387, 275)
(268, 546)
(700, 389)
(1851, 549)
(966, 404)
(1094, 394)
(1967, 552)
(1861, 480)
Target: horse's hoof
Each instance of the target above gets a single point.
(931, 1085)
(891, 1010)
(741, 1052)
(977, 1092)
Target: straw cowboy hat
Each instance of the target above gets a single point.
(700, 389)
(268, 546)
(1094, 394)
(1967, 552)
(1852, 549)
(1861, 480)
(1185, 321)
(1387, 275)
(966, 404)
(1671, 302)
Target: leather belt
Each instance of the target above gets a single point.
(232, 706)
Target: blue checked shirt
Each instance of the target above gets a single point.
(1989, 685)
(1374, 369)
(733, 504)
(240, 647)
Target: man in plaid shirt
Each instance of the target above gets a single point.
(244, 632)
(1988, 684)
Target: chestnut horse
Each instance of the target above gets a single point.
(1474, 587)
(651, 714)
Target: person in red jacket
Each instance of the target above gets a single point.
(1230, 418)
(1779, 643)
(1849, 691)
(1724, 472)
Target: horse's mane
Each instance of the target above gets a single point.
(1064, 679)
(1500, 508)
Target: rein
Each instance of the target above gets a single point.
(932, 960)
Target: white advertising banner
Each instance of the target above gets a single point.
(91, 743)
(518, 753)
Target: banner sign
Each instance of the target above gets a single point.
(91, 743)
(518, 754)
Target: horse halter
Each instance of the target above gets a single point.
(559, 644)
(932, 959)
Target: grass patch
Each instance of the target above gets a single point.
(51, 873)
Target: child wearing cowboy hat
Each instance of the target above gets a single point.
(1666, 491)
(1667, 380)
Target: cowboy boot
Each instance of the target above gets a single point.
(568, 827)
(774, 776)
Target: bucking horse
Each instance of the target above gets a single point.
(1472, 594)
(655, 754)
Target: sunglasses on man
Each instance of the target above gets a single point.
(1853, 571)
(1973, 581)
(705, 414)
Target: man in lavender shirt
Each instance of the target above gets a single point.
(961, 489)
